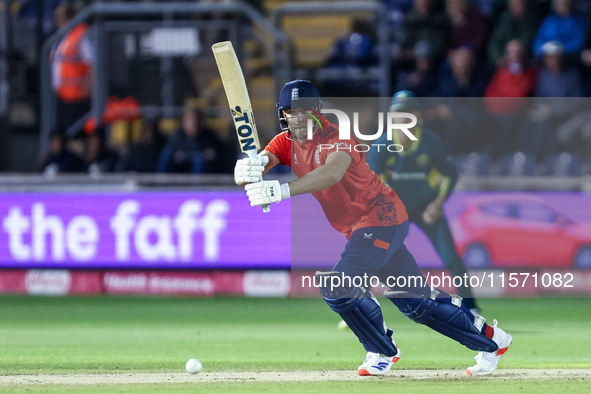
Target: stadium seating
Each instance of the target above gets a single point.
(473, 164)
(562, 164)
(514, 164)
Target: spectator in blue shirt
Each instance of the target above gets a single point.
(424, 79)
(562, 26)
(462, 76)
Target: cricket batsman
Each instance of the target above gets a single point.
(423, 175)
(374, 220)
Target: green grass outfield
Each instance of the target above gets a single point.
(138, 335)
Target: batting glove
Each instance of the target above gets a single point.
(250, 170)
(266, 192)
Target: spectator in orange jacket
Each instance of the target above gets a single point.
(71, 62)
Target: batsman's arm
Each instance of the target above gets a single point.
(324, 176)
(268, 192)
(273, 160)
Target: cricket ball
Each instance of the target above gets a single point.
(193, 366)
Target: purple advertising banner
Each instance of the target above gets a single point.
(186, 230)
(219, 230)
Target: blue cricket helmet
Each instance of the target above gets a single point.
(296, 90)
(299, 91)
(405, 100)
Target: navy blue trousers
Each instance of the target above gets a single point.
(380, 251)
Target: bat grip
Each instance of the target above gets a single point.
(252, 154)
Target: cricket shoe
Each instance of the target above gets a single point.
(486, 362)
(377, 363)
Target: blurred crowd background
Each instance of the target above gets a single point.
(526, 64)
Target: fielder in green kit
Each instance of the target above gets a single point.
(423, 174)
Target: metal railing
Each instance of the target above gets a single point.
(5, 48)
(119, 182)
(128, 182)
(110, 17)
(382, 71)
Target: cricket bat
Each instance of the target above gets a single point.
(238, 99)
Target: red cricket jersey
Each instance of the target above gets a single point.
(360, 199)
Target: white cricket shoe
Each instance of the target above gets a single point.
(377, 363)
(486, 362)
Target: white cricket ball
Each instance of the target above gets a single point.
(342, 325)
(193, 366)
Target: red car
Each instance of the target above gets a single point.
(520, 230)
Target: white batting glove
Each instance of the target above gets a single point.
(250, 170)
(266, 192)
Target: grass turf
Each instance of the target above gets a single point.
(115, 334)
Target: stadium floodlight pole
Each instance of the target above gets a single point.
(5, 48)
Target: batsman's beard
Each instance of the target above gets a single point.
(298, 126)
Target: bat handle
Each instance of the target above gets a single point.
(253, 155)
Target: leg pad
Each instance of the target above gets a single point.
(444, 317)
(362, 314)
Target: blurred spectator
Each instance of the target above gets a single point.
(30, 10)
(517, 22)
(513, 78)
(143, 154)
(354, 49)
(505, 95)
(192, 148)
(467, 26)
(423, 81)
(99, 158)
(586, 62)
(397, 11)
(423, 24)
(556, 80)
(60, 159)
(398, 5)
(72, 62)
(351, 52)
(551, 107)
(561, 26)
(460, 77)
(485, 6)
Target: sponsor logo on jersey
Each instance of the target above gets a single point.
(409, 176)
(422, 160)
